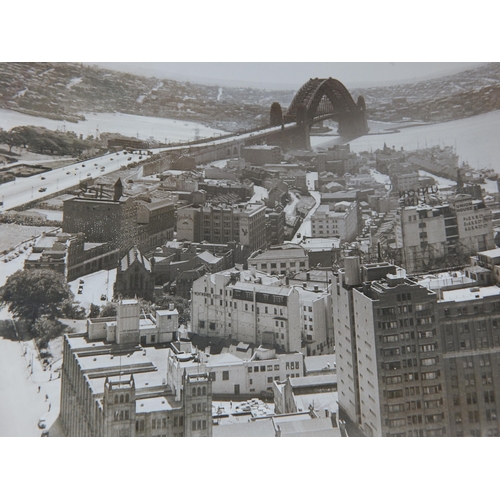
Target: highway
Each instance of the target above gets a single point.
(24, 190)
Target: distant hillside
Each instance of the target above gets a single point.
(460, 95)
(66, 90)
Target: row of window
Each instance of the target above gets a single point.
(199, 407)
(198, 425)
(283, 265)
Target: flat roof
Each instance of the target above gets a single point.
(322, 362)
(491, 253)
(225, 359)
(153, 404)
(466, 294)
(313, 380)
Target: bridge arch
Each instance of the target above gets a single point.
(322, 98)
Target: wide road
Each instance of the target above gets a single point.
(27, 189)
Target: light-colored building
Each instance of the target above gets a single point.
(234, 376)
(280, 259)
(114, 386)
(132, 326)
(444, 235)
(340, 221)
(254, 307)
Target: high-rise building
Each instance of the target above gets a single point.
(416, 356)
(389, 355)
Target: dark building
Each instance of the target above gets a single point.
(135, 276)
(120, 221)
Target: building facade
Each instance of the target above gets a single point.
(254, 307)
(441, 236)
(416, 357)
(118, 388)
(221, 224)
(280, 259)
(340, 221)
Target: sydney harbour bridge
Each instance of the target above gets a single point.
(317, 100)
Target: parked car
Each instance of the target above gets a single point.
(42, 423)
(42, 190)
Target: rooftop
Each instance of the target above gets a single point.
(466, 294)
(152, 404)
(320, 363)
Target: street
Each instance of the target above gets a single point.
(21, 405)
(27, 189)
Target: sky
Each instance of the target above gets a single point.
(291, 75)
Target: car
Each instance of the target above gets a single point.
(42, 423)
(103, 297)
(111, 159)
(140, 157)
(45, 434)
(129, 158)
(68, 173)
(89, 175)
(83, 166)
(42, 178)
(80, 291)
(81, 281)
(41, 190)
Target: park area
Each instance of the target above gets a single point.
(13, 235)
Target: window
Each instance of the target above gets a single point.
(489, 397)
(269, 380)
(491, 415)
(225, 375)
(486, 378)
(471, 398)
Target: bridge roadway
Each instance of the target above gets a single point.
(24, 190)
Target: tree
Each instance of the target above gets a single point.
(108, 310)
(32, 293)
(94, 311)
(180, 303)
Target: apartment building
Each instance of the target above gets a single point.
(221, 224)
(339, 221)
(280, 259)
(416, 357)
(254, 307)
(443, 235)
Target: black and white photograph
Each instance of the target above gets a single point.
(247, 246)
